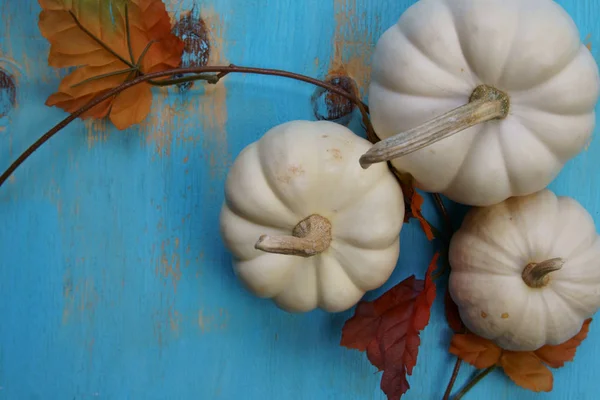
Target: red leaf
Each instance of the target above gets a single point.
(557, 356)
(415, 206)
(388, 330)
(452, 314)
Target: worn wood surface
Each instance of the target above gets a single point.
(114, 283)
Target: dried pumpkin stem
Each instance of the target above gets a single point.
(537, 275)
(310, 237)
(486, 103)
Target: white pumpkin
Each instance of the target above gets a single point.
(526, 272)
(306, 225)
(520, 84)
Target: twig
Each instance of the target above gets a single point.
(474, 382)
(128, 34)
(453, 378)
(219, 70)
(442, 208)
(450, 231)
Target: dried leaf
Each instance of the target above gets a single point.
(527, 370)
(413, 202)
(557, 356)
(452, 314)
(388, 330)
(415, 206)
(92, 36)
(477, 351)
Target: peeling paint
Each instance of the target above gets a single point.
(168, 265)
(8, 93)
(333, 107)
(213, 102)
(159, 126)
(174, 320)
(352, 43)
(213, 322)
(194, 33)
(80, 296)
(96, 131)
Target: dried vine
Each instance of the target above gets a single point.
(216, 73)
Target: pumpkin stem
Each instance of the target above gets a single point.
(537, 275)
(310, 237)
(485, 104)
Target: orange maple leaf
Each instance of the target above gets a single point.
(477, 351)
(388, 329)
(557, 356)
(110, 42)
(526, 368)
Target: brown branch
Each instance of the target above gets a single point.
(442, 208)
(474, 382)
(450, 231)
(220, 70)
(453, 379)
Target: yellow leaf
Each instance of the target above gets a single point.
(92, 36)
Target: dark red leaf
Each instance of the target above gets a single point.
(452, 314)
(388, 330)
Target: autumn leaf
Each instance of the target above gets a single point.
(527, 370)
(388, 330)
(477, 351)
(557, 356)
(452, 314)
(413, 202)
(110, 42)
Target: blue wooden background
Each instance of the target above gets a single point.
(114, 283)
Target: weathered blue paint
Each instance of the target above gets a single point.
(114, 282)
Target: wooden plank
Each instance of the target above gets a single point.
(114, 280)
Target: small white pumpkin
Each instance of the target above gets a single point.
(526, 272)
(306, 225)
(516, 87)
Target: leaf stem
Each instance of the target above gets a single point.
(474, 382)
(439, 202)
(138, 64)
(453, 378)
(180, 71)
(100, 42)
(107, 75)
(128, 32)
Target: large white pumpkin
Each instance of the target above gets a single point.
(526, 272)
(545, 86)
(301, 192)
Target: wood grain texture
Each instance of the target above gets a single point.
(114, 281)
